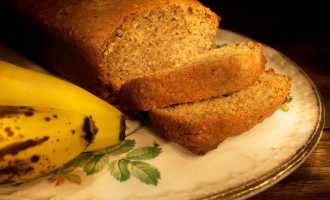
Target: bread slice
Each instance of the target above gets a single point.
(219, 71)
(100, 45)
(202, 126)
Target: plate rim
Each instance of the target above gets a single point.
(268, 180)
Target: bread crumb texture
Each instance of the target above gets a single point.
(158, 40)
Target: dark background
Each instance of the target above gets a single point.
(300, 30)
(282, 24)
(295, 28)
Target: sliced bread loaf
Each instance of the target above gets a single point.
(219, 71)
(100, 45)
(202, 126)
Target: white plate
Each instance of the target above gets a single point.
(240, 167)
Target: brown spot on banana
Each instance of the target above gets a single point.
(15, 148)
(18, 168)
(29, 112)
(9, 131)
(12, 111)
(35, 158)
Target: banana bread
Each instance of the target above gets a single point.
(202, 126)
(219, 71)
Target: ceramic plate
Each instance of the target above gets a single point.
(240, 167)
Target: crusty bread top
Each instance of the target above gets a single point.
(202, 126)
(216, 72)
(99, 44)
(88, 23)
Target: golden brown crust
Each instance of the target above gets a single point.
(203, 130)
(72, 35)
(220, 71)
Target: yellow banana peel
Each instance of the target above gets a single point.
(34, 141)
(24, 87)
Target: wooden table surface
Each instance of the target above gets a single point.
(301, 31)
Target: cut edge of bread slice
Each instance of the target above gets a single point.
(202, 126)
(219, 71)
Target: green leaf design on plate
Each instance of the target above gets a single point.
(121, 160)
(120, 148)
(60, 175)
(284, 107)
(73, 178)
(220, 45)
(143, 153)
(96, 164)
(118, 169)
(81, 160)
(144, 172)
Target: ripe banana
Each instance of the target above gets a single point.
(24, 87)
(35, 141)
